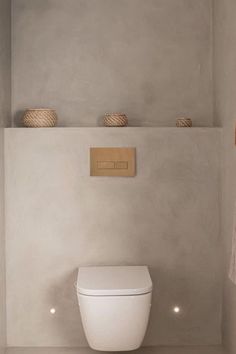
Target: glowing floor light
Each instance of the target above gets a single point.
(176, 309)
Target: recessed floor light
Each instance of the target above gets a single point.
(176, 309)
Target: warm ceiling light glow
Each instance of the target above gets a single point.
(52, 311)
(176, 309)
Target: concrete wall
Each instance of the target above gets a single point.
(58, 218)
(5, 96)
(151, 59)
(225, 108)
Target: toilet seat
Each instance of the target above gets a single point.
(114, 281)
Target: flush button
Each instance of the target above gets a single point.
(112, 162)
(121, 165)
(106, 165)
(112, 165)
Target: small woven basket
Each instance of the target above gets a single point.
(39, 118)
(184, 123)
(115, 120)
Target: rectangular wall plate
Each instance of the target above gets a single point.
(112, 162)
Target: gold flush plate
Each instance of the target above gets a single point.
(112, 162)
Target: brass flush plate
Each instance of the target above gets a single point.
(112, 162)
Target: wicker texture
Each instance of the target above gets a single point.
(115, 120)
(184, 122)
(38, 118)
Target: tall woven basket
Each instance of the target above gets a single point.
(39, 118)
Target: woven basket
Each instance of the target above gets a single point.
(115, 120)
(184, 123)
(38, 118)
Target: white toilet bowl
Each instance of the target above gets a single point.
(114, 305)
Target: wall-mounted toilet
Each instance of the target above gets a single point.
(114, 305)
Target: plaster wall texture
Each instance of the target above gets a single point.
(151, 59)
(59, 218)
(5, 97)
(225, 108)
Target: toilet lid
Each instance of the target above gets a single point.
(118, 280)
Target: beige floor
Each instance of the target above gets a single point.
(150, 350)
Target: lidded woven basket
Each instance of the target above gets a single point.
(40, 117)
(115, 120)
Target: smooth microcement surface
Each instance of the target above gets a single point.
(147, 350)
(59, 218)
(151, 59)
(225, 91)
(5, 97)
